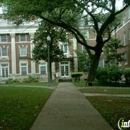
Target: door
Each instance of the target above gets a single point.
(4, 70)
(64, 69)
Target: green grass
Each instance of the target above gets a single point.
(106, 90)
(53, 84)
(80, 84)
(112, 108)
(19, 106)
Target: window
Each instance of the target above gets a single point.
(129, 34)
(124, 19)
(85, 33)
(124, 38)
(23, 51)
(64, 48)
(101, 63)
(4, 51)
(23, 69)
(126, 58)
(4, 68)
(83, 48)
(22, 38)
(3, 38)
(42, 68)
(129, 12)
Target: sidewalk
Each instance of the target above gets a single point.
(68, 109)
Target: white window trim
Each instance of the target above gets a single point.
(7, 52)
(20, 50)
(63, 48)
(40, 64)
(1, 39)
(20, 38)
(7, 67)
(26, 68)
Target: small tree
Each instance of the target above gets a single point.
(40, 51)
(111, 52)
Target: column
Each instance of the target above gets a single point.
(33, 69)
(13, 55)
(75, 55)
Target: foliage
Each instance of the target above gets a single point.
(40, 51)
(111, 52)
(101, 75)
(31, 79)
(113, 76)
(126, 73)
(19, 106)
(83, 60)
(12, 81)
(76, 75)
(69, 14)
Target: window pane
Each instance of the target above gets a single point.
(23, 69)
(4, 52)
(22, 37)
(23, 51)
(43, 69)
(3, 38)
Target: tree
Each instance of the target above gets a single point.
(111, 52)
(83, 60)
(40, 51)
(98, 14)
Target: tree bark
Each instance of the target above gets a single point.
(93, 68)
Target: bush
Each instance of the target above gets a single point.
(11, 81)
(126, 73)
(102, 76)
(31, 79)
(76, 75)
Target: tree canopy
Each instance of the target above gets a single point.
(101, 15)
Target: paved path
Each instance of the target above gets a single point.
(68, 109)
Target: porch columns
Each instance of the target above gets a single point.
(33, 69)
(13, 55)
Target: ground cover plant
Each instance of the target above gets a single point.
(112, 108)
(19, 106)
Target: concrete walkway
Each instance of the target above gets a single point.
(68, 109)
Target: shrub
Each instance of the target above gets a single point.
(76, 75)
(126, 73)
(11, 81)
(31, 79)
(102, 76)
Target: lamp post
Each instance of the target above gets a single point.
(49, 40)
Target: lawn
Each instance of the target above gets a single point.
(19, 106)
(53, 84)
(106, 90)
(112, 108)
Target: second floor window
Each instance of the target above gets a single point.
(4, 51)
(3, 38)
(124, 38)
(64, 48)
(23, 51)
(22, 38)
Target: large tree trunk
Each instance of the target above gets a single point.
(93, 68)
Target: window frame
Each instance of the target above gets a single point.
(20, 38)
(23, 65)
(4, 52)
(42, 65)
(21, 51)
(4, 39)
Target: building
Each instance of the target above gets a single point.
(16, 48)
